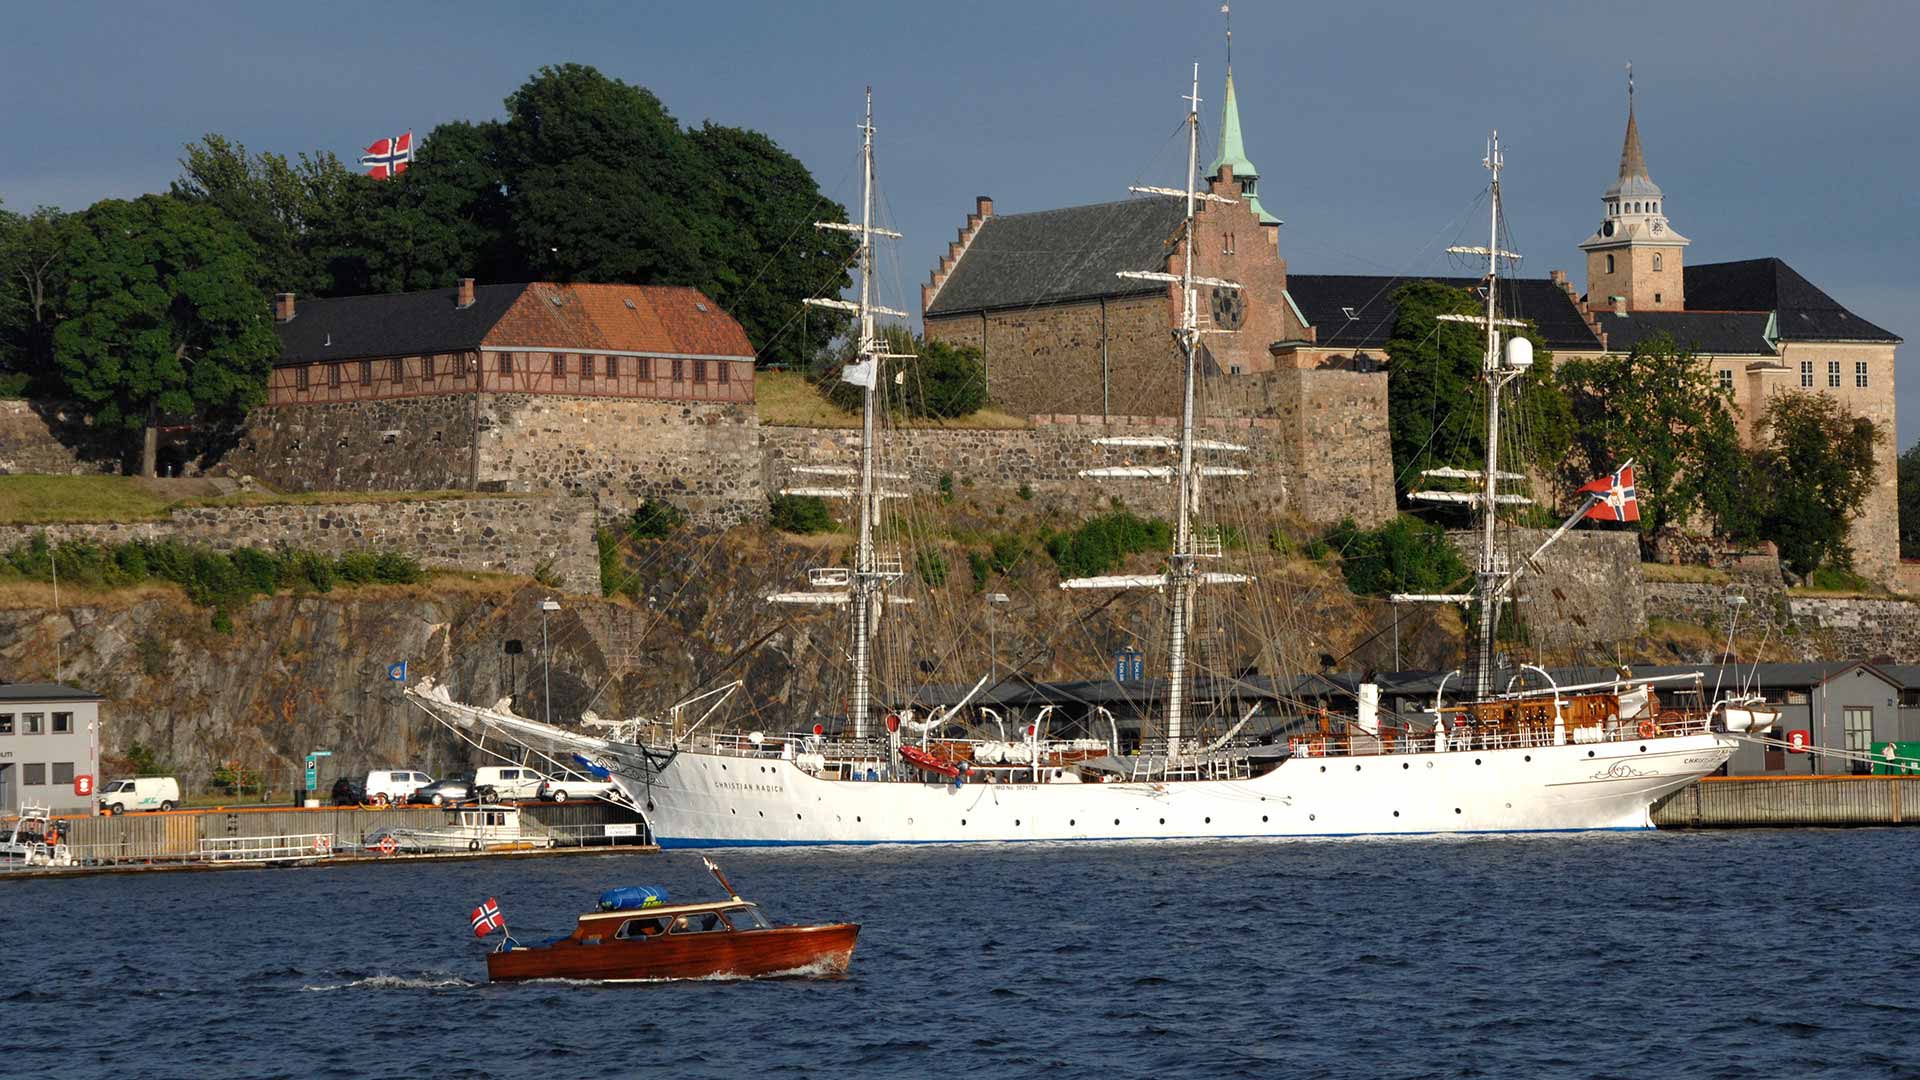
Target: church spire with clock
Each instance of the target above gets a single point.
(1635, 259)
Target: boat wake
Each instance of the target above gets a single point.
(423, 981)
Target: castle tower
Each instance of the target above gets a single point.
(1635, 257)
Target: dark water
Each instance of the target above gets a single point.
(1759, 954)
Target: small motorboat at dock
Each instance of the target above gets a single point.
(638, 937)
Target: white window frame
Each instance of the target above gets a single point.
(1860, 374)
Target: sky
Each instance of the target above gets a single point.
(1775, 129)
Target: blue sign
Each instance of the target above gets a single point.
(1129, 665)
(397, 672)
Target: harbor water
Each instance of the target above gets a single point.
(1738, 954)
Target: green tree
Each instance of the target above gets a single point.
(1909, 498)
(164, 317)
(1435, 400)
(1661, 407)
(1818, 464)
(1406, 555)
(942, 381)
(602, 184)
(282, 205)
(443, 219)
(32, 259)
(769, 255)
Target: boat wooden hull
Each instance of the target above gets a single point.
(813, 950)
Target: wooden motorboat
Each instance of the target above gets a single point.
(679, 941)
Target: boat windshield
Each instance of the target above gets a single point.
(698, 922)
(643, 928)
(746, 918)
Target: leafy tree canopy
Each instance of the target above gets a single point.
(1817, 462)
(1405, 555)
(32, 287)
(1436, 402)
(1661, 407)
(166, 316)
(282, 205)
(943, 381)
(1909, 495)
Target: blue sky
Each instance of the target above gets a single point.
(1788, 129)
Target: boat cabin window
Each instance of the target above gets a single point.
(643, 928)
(746, 918)
(699, 922)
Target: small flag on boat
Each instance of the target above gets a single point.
(1617, 501)
(397, 672)
(487, 918)
(861, 373)
(388, 157)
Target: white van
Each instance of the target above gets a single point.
(140, 793)
(508, 781)
(392, 786)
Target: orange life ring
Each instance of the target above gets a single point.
(1647, 730)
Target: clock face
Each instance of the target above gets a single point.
(1658, 228)
(1229, 308)
(1606, 229)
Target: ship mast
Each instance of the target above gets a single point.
(1491, 574)
(1183, 574)
(863, 587)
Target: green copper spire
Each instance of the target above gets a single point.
(1232, 153)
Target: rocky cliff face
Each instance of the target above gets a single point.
(306, 672)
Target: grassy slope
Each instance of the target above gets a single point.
(44, 500)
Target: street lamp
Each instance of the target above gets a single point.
(547, 607)
(993, 652)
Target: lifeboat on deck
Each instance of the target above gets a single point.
(920, 759)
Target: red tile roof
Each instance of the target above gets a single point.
(666, 319)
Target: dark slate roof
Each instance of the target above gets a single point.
(1323, 298)
(1718, 333)
(395, 324)
(40, 691)
(1051, 256)
(1805, 313)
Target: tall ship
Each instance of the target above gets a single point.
(1508, 752)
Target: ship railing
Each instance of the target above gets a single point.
(1526, 736)
(609, 834)
(266, 848)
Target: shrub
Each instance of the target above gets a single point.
(1837, 579)
(1006, 553)
(609, 543)
(1404, 555)
(933, 568)
(1102, 543)
(800, 514)
(654, 519)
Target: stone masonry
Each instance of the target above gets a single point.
(505, 535)
(1589, 588)
(35, 437)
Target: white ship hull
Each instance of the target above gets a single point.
(712, 800)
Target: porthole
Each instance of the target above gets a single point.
(762, 813)
(1476, 761)
(1429, 764)
(1456, 809)
(963, 823)
(1071, 823)
(1163, 821)
(796, 817)
(1405, 765)
(1263, 818)
(1116, 821)
(1016, 822)
(856, 818)
(1643, 749)
(1356, 768)
(731, 810)
(1396, 813)
(1323, 768)
(1589, 753)
(1529, 757)
(1310, 817)
(1207, 820)
(723, 766)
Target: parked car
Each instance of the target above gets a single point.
(560, 789)
(385, 787)
(454, 789)
(348, 792)
(510, 781)
(140, 793)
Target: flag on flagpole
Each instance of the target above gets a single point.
(397, 672)
(1617, 499)
(388, 157)
(863, 373)
(487, 918)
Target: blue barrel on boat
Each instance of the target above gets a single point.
(632, 897)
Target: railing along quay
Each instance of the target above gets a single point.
(280, 835)
(1733, 802)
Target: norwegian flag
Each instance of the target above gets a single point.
(487, 918)
(1617, 501)
(388, 157)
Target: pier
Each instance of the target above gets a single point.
(235, 837)
(1735, 802)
